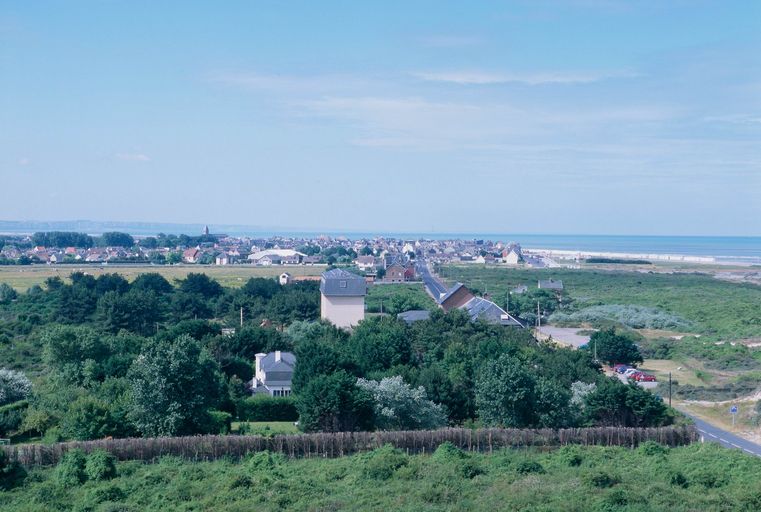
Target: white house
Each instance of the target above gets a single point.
(342, 297)
(273, 373)
(285, 278)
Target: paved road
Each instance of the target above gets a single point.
(432, 284)
(712, 434)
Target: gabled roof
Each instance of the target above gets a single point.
(286, 363)
(482, 309)
(414, 315)
(340, 283)
(450, 292)
(551, 284)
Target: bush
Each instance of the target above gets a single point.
(267, 408)
(448, 453)
(219, 422)
(678, 479)
(11, 472)
(526, 467)
(636, 317)
(570, 456)
(265, 461)
(651, 448)
(12, 416)
(381, 463)
(100, 465)
(70, 471)
(110, 493)
(601, 479)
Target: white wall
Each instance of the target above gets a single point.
(342, 311)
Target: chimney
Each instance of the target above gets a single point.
(259, 358)
(277, 356)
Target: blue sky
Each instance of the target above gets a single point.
(577, 116)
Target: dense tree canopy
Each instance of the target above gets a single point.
(614, 348)
(174, 384)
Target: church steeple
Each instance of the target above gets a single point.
(206, 230)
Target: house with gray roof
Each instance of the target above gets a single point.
(342, 297)
(550, 284)
(274, 373)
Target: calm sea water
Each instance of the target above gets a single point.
(722, 247)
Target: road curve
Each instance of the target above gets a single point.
(711, 434)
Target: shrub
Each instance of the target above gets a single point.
(70, 472)
(219, 422)
(110, 493)
(651, 448)
(678, 479)
(265, 461)
(14, 386)
(526, 467)
(11, 472)
(381, 463)
(708, 478)
(100, 465)
(448, 452)
(601, 479)
(267, 408)
(12, 416)
(636, 317)
(570, 456)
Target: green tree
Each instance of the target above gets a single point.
(137, 311)
(334, 403)
(618, 404)
(378, 343)
(505, 394)
(152, 281)
(71, 352)
(614, 348)
(116, 239)
(88, 418)
(398, 406)
(201, 284)
(174, 384)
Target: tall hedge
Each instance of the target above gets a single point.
(267, 408)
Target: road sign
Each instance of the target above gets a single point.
(733, 409)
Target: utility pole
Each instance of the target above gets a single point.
(669, 389)
(538, 316)
(381, 309)
(241, 317)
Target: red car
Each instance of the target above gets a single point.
(634, 375)
(644, 377)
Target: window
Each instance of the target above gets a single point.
(342, 284)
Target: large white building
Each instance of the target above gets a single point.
(342, 297)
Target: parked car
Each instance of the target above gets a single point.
(634, 375)
(644, 377)
(621, 368)
(630, 371)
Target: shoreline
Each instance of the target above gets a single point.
(660, 257)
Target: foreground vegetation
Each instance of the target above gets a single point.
(649, 478)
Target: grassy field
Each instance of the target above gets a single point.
(715, 308)
(650, 478)
(264, 428)
(23, 277)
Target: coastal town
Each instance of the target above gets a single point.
(386, 257)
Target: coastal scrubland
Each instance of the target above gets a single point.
(649, 478)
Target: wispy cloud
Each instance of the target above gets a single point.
(133, 157)
(487, 78)
(741, 119)
(450, 41)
